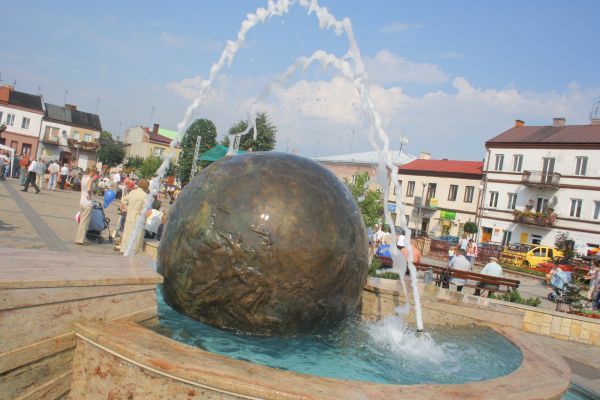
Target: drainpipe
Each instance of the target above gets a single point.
(481, 197)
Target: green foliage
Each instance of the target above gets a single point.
(515, 297)
(148, 167)
(563, 242)
(109, 153)
(200, 127)
(265, 139)
(470, 227)
(133, 163)
(370, 202)
(376, 265)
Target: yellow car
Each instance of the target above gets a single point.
(528, 255)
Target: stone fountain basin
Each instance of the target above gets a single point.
(122, 359)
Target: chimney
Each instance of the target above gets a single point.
(4, 93)
(71, 107)
(424, 156)
(557, 122)
(519, 122)
(155, 129)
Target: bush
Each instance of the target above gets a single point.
(375, 265)
(515, 297)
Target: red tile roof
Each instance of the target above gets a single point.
(443, 167)
(160, 139)
(580, 134)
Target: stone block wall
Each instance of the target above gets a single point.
(42, 295)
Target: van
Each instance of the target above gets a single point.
(528, 255)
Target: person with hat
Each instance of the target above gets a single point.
(492, 268)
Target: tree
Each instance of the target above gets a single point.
(109, 153)
(148, 167)
(564, 243)
(200, 127)
(470, 227)
(370, 202)
(265, 139)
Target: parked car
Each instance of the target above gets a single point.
(491, 246)
(528, 255)
(448, 238)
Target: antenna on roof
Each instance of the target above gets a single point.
(595, 113)
(66, 93)
(151, 116)
(39, 90)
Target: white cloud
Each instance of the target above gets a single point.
(170, 39)
(397, 26)
(319, 117)
(386, 67)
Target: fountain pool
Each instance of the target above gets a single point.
(382, 352)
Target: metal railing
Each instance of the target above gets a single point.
(540, 178)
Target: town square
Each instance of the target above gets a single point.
(300, 199)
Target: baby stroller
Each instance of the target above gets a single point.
(98, 224)
(563, 291)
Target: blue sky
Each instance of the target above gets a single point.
(448, 75)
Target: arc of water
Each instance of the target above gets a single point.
(357, 75)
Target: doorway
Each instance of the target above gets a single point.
(425, 225)
(486, 234)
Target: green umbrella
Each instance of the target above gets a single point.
(215, 153)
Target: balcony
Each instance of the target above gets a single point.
(546, 218)
(87, 146)
(540, 179)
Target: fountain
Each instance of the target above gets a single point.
(228, 259)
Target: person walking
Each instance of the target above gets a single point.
(53, 169)
(23, 163)
(134, 201)
(471, 251)
(64, 174)
(41, 169)
(3, 163)
(85, 206)
(31, 177)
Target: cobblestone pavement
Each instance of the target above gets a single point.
(45, 220)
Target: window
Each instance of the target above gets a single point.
(596, 210)
(541, 205)
(26, 148)
(538, 251)
(575, 208)
(158, 152)
(25, 123)
(1, 114)
(469, 190)
(76, 135)
(581, 167)
(493, 199)
(512, 201)
(10, 119)
(453, 192)
(430, 193)
(87, 137)
(536, 239)
(51, 132)
(499, 162)
(410, 189)
(506, 236)
(517, 162)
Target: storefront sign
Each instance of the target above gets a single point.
(448, 215)
(391, 207)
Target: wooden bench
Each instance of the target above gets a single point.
(509, 284)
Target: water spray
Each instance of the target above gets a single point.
(355, 73)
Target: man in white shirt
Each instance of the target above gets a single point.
(460, 263)
(64, 174)
(492, 269)
(53, 169)
(116, 179)
(31, 175)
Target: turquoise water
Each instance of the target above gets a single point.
(384, 352)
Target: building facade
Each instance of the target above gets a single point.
(439, 196)
(346, 166)
(143, 142)
(70, 136)
(22, 114)
(539, 181)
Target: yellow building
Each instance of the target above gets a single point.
(143, 142)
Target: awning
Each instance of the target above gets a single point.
(216, 153)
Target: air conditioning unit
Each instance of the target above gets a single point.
(418, 201)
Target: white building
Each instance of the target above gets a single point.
(22, 114)
(70, 136)
(540, 180)
(439, 196)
